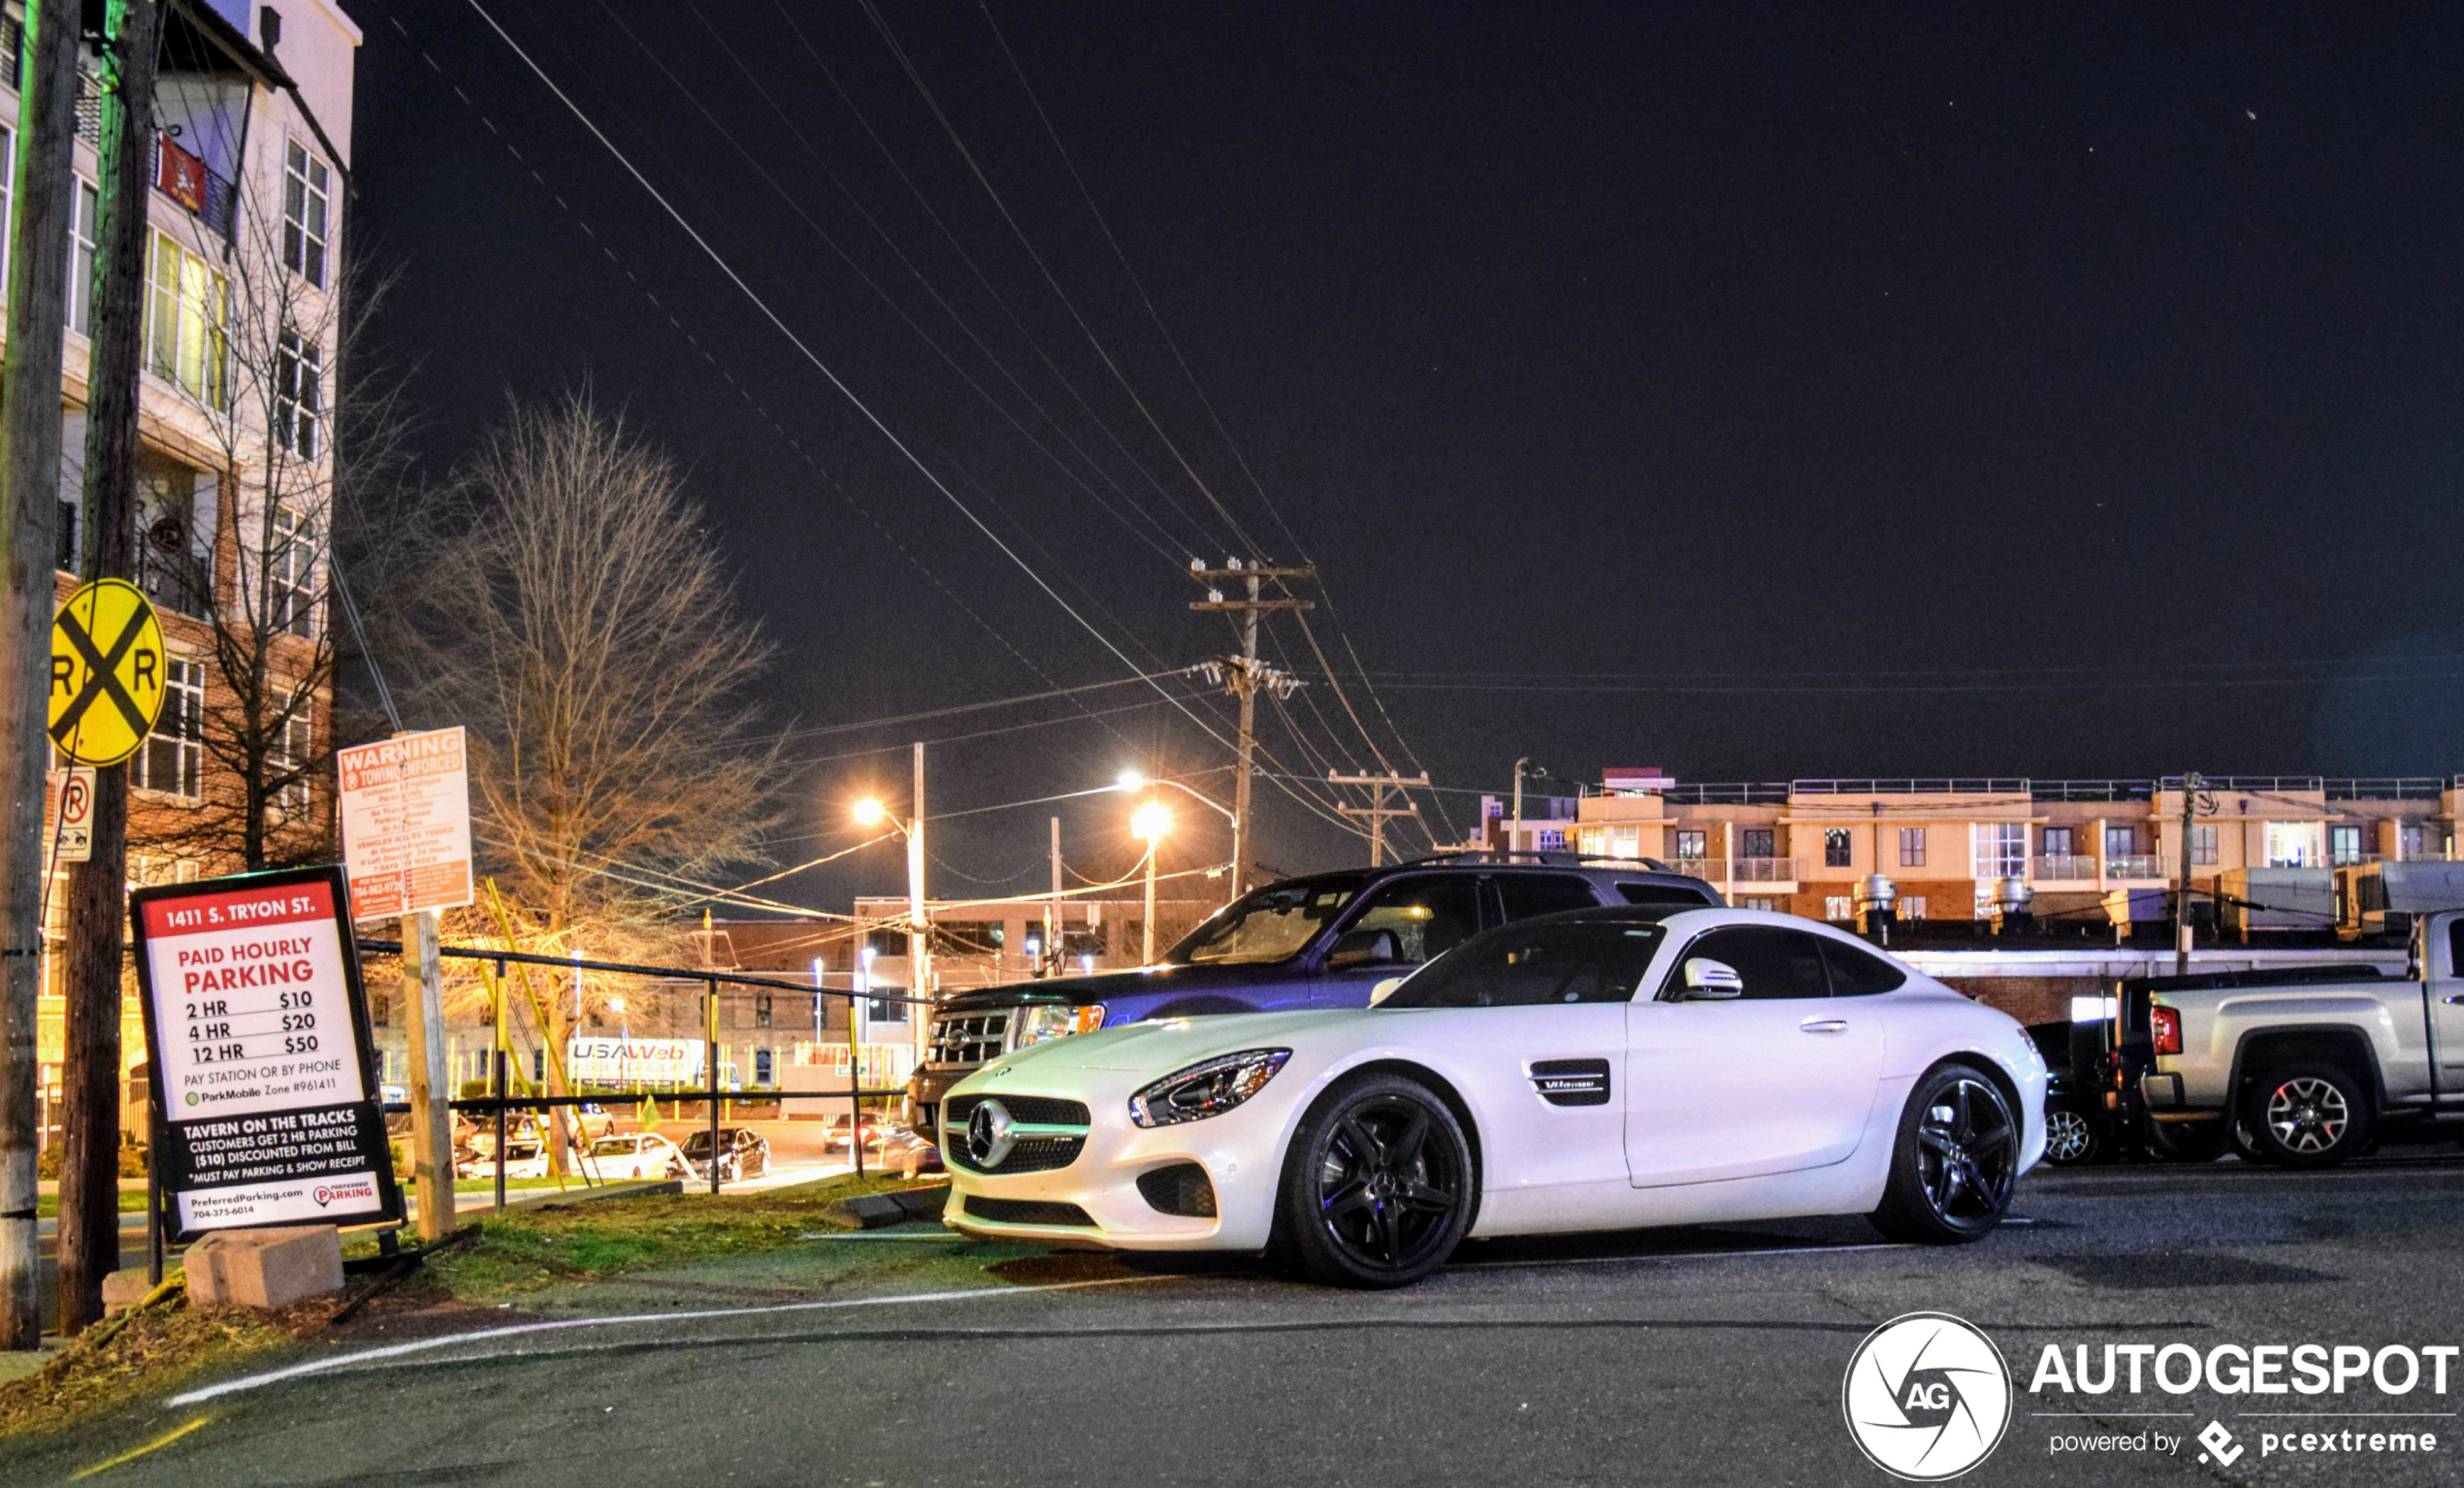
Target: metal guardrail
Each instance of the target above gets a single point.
(1940, 785)
(2063, 869)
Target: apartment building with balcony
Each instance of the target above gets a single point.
(235, 470)
(2091, 852)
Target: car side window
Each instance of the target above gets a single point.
(1526, 895)
(1662, 893)
(1429, 916)
(1858, 973)
(2455, 947)
(1771, 962)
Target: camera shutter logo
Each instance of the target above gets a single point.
(1927, 1397)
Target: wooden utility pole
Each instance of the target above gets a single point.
(431, 1082)
(91, 1081)
(1052, 911)
(1377, 811)
(1243, 678)
(2191, 785)
(29, 509)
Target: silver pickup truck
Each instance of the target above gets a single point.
(2304, 1068)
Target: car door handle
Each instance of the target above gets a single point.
(1824, 1025)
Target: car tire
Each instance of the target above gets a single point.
(2246, 1146)
(2190, 1142)
(1954, 1163)
(2308, 1116)
(1378, 1185)
(2071, 1139)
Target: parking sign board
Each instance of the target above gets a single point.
(73, 838)
(262, 1072)
(405, 812)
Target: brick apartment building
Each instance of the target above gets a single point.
(235, 464)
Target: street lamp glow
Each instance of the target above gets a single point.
(868, 812)
(1151, 822)
(1129, 780)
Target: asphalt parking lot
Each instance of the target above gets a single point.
(1711, 1355)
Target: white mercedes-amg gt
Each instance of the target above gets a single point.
(1603, 1069)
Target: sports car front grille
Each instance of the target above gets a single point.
(967, 1039)
(1179, 1188)
(1028, 1211)
(1027, 1155)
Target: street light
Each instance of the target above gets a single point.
(1148, 823)
(869, 812)
(1131, 780)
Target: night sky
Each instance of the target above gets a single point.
(1751, 392)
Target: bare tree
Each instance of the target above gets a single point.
(582, 625)
(304, 451)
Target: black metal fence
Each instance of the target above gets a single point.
(497, 1103)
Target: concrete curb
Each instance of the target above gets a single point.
(879, 1210)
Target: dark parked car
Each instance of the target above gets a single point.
(743, 1152)
(1325, 941)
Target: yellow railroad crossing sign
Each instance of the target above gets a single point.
(106, 672)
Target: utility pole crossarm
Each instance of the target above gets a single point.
(1377, 812)
(1244, 676)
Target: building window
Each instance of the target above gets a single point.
(762, 1020)
(84, 209)
(1836, 852)
(1759, 842)
(1549, 839)
(764, 1072)
(2203, 847)
(2121, 842)
(172, 760)
(299, 393)
(291, 575)
(1839, 906)
(287, 772)
(2292, 845)
(307, 191)
(2344, 845)
(2416, 843)
(1911, 846)
(1690, 845)
(2060, 841)
(1912, 906)
(187, 310)
(2001, 849)
(170, 570)
(66, 558)
(1767, 905)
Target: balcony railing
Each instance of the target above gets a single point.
(1738, 870)
(1934, 785)
(2063, 869)
(2137, 865)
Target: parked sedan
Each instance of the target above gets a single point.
(525, 1157)
(635, 1154)
(1605, 1069)
(743, 1152)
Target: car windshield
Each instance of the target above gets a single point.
(1527, 966)
(1276, 923)
(613, 1147)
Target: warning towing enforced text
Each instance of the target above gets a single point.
(261, 1066)
(406, 812)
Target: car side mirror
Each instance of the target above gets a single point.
(1710, 981)
(1364, 948)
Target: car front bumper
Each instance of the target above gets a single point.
(1240, 1153)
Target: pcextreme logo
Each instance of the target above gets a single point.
(1927, 1397)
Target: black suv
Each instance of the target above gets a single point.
(1324, 941)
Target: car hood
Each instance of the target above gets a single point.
(1079, 991)
(1168, 1044)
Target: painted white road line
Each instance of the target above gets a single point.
(1690, 1256)
(247, 1382)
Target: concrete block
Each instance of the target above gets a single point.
(270, 1268)
(877, 1210)
(125, 1288)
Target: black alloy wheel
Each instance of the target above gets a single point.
(2071, 1139)
(1378, 1185)
(1955, 1161)
(2308, 1116)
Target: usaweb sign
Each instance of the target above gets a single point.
(264, 1076)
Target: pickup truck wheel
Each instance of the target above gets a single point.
(2246, 1146)
(1954, 1163)
(2308, 1116)
(2071, 1139)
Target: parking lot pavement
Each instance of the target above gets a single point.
(1700, 1355)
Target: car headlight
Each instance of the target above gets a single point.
(1045, 1022)
(1207, 1089)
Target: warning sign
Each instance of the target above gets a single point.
(73, 837)
(406, 809)
(263, 1074)
(106, 672)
